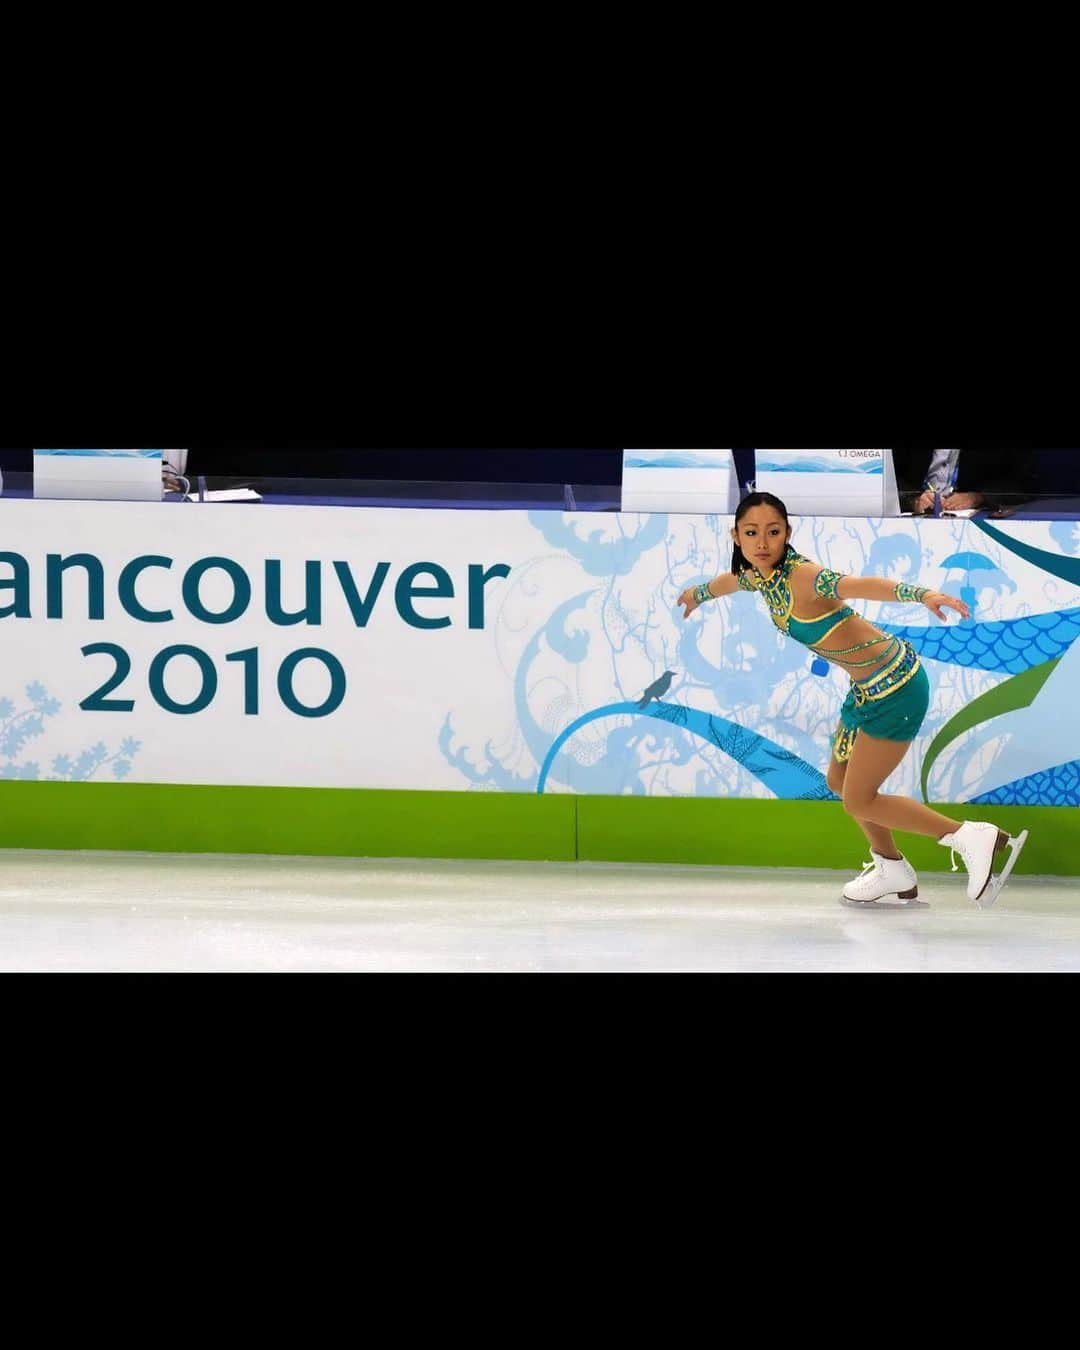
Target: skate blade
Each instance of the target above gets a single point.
(997, 884)
(908, 905)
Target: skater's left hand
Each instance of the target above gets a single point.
(937, 603)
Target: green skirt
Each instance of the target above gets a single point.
(891, 706)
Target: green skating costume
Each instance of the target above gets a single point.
(892, 704)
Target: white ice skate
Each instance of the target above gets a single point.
(977, 843)
(882, 878)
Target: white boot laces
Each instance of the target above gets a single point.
(965, 852)
(955, 848)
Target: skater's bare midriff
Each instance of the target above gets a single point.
(853, 631)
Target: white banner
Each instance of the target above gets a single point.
(505, 651)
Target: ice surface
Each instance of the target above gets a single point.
(143, 912)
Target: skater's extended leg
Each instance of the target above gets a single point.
(881, 840)
(872, 762)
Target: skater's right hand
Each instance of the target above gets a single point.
(687, 600)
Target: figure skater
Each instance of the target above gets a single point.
(883, 712)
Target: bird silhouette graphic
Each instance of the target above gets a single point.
(657, 690)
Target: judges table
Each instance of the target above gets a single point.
(485, 496)
(501, 671)
(434, 495)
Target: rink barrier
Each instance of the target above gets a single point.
(798, 834)
(147, 817)
(329, 822)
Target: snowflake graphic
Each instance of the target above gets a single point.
(17, 726)
(21, 725)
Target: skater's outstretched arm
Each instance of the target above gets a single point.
(696, 596)
(819, 582)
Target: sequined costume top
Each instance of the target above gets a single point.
(812, 633)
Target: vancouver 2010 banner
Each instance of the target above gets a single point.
(528, 652)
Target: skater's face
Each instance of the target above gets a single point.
(763, 536)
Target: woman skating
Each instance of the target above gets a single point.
(884, 710)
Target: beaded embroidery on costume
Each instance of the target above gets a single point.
(903, 668)
(844, 743)
(776, 588)
(827, 584)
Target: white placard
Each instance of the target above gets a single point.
(696, 482)
(826, 482)
(98, 475)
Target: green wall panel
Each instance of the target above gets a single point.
(796, 834)
(317, 821)
(354, 823)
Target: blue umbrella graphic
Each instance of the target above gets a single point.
(969, 562)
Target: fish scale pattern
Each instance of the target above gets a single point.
(1008, 646)
(1051, 787)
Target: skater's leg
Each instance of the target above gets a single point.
(881, 840)
(872, 762)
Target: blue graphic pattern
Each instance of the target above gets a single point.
(676, 459)
(1051, 787)
(99, 454)
(494, 778)
(17, 727)
(601, 557)
(578, 672)
(784, 773)
(873, 467)
(1007, 647)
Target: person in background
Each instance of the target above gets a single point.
(174, 471)
(978, 478)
